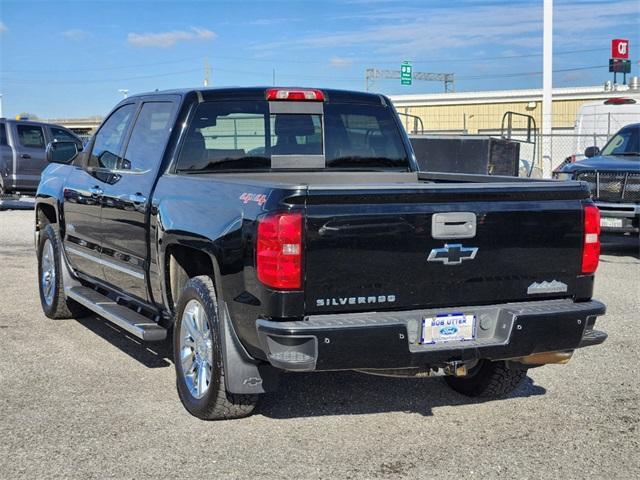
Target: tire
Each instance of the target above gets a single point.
(488, 380)
(55, 303)
(196, 349)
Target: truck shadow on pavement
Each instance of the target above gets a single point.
(151, 355)
(353, 393)
(320, 393)
(620, 246)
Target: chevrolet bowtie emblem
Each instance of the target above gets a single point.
(453, 254)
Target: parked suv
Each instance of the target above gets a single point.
(613, 175)
(22, 152)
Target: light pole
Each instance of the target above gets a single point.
(124, 92)
(0, 105)
(547, 85)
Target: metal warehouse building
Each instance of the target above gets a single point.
(482, 112)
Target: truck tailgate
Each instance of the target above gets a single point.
(372, 248)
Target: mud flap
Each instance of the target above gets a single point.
(69, 279)
(242, 374)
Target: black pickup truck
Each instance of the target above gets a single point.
(279, 229)
(613, 175)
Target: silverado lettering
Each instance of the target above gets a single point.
(322, 302)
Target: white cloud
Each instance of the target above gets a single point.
(75, 34)
(3, 27)
(340, 62)
(168, 39)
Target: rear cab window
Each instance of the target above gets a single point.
(236, 136)
(3, 134)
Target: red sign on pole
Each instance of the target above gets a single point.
(620, 48)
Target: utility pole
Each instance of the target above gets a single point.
(274, 77)
(207, 72)
(0, 105)
(547, 86)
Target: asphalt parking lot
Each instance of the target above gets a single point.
(80, 399)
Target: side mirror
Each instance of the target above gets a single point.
(592, 152)
(61, 152)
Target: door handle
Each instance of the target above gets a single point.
(96, 191)
(25, 155)
(453, 225)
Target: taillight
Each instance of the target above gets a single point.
(298, 95)
(279, 250)
(591, 246)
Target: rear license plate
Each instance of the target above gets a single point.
(448, 327)
(611, 222)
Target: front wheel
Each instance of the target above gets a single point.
(198, 356)
(488, 379)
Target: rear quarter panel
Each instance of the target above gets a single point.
(218, 216)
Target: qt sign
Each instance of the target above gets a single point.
(620, 48)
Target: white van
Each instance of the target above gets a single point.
(598, 121)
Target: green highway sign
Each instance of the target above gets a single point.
(406, 71)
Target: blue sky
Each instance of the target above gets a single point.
(68, 59)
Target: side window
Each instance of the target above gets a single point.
(30, 136)
(149, 136)
(3, 134)
(60, 135)
(108, 142)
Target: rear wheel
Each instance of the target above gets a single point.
(55, 303)
(488, 380)
(198, 356)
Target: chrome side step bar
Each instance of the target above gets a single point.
(124, 317)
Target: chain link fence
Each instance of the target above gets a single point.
(571, 135)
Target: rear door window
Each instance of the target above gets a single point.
(227, 136)
(3, 134)
(149, 137)
(109, 139)
(30, 136)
